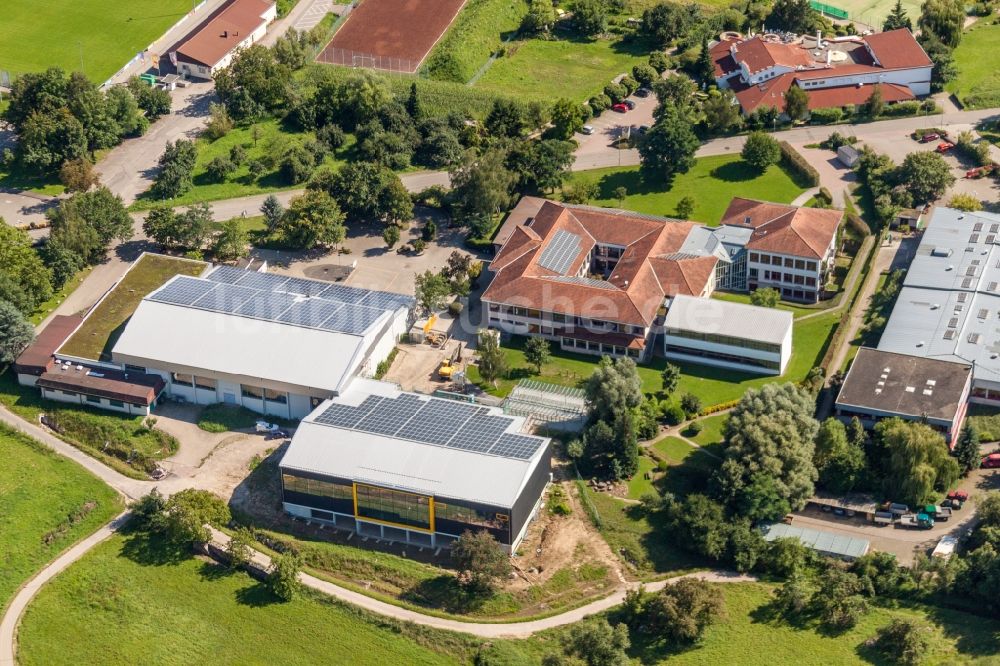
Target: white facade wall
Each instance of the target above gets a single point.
(780, 358)
(190, 70)
(821, 266)
(917, 78)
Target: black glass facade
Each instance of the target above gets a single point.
(394, 506)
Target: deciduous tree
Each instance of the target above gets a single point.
(761, 150)
(668, 148)
(25, 282)
(16, 333)
(187, 513)
(492, 359)
(480, 560)
(312, 219)
(916, 461)
(537, 352)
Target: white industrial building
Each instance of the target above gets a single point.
(728, 335)
(273, 344)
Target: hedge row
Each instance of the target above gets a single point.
(801, 170)
(721, 407)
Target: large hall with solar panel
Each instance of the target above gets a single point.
(365, 455)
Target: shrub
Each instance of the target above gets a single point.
(455, 308)
(674, 414)
(599, 103)
(911, 108)
(825, 196)
(801, 170)
(828, 116)
(903, 642)
(761, 150)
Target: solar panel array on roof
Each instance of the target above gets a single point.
(278, 298)
(559, 254)
(455, 425)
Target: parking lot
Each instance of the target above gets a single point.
(596, 151)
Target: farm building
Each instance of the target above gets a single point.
(826, 543)
(211, 46)
(882, 384)
(714, 332)
(834, 73)
(273, 344)
(413, 468)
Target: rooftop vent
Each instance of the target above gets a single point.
(928, 392)
(920, 344)
(932, 382)
(911, 389)
(935, 306)
(887, 370)
(941, 252)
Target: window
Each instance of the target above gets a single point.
(468, 515)
(393, 506)
(765, 259)
(753, 273)
(317, 488)
(116, 403)
(811, 282)
(205, 383)
(251, 392)
(557, 317)
(134, 368)
(276, 396)
(811, 266)
(182, 380)
(69, 393)
(800, 265)
(754, 257)
(94, 399)
(789, 263)
(321, 515)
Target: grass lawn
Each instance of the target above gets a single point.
(133, 601)
(475, 34)
(711, 430)
(639, 485)
(47, 502)
(99, 332)
(797, 311)
(713, 182)
(986, 420)
(571, 68)
(674, 449)
(978, 81)
(712, 385)
(102, 34)
(646, 547)
(750, 635)
(272, 140)
(222, 418)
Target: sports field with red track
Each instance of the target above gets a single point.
(390, 34)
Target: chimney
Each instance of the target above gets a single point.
(819, 38)
(829, 57)
(225, 33)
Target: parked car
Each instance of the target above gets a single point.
(587, 129)
(270, 430)
(620, 108)
(920, 520)
(991, 461)
(642, 129)
(945, 146)
(158, 473)
(629, 103)
(927, 138)
(643, 92)
(883, 518)
(954, 504)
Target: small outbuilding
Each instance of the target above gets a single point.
(848, 155)
(826, 543)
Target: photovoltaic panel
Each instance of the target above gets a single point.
(344, 294)
(384, 300)
(265, 281)
(480, 433)
(225, 298)
(559, 254)
(521, 447)
(311, 313)
(303, 286)
(227, 274)
(351, 319)
(183, 290)
(437, 421)
(346, 416)
(266, 305)
(392, 415)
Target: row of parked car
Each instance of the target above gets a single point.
(623, 106)
(923, 517)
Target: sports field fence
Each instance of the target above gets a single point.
(360, 60)
(829, 10)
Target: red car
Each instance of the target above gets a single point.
(959, 495)
(927, 138)
(991, 461)
(620, 108)
(945, 146)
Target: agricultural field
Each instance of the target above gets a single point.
(712, 182)
(99, 332)
(47, 503)
(572, 68)
(395, 35)
(978, 81)
(103, 35)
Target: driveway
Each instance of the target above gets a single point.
(596, 150)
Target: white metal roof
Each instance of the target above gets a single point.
(824, 542)
(181, 336)
(738, 320)
(403, 463)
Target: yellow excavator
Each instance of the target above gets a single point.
(451, 365)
